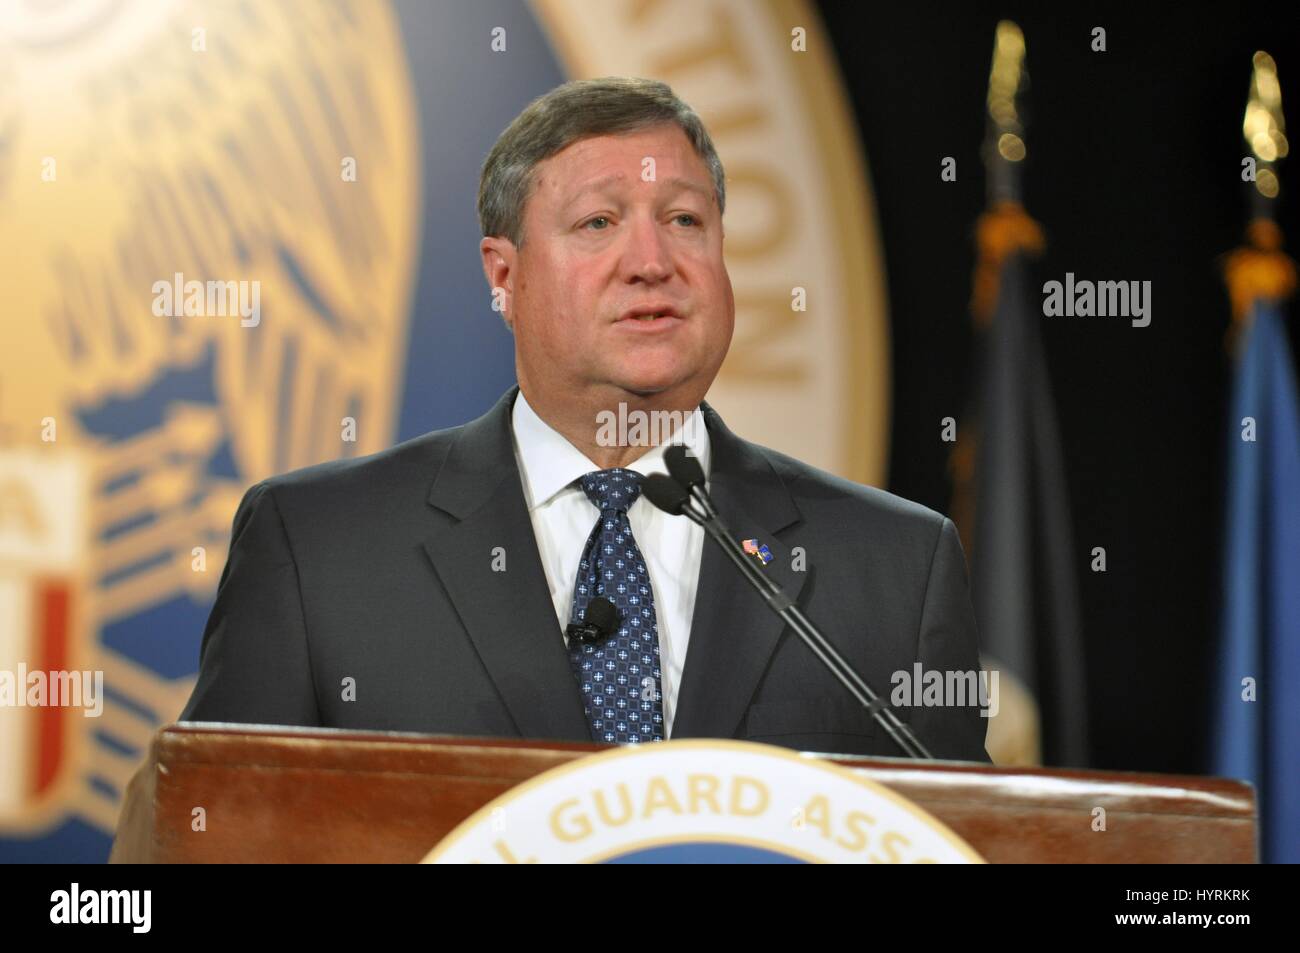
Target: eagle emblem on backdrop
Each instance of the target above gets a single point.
(241, 142)
(177, 141)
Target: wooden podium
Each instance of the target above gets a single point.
(286, 795)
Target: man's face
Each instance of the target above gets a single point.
(600, 243)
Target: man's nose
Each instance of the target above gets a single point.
(647, 255)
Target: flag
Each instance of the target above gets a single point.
(1256, 730)
(1010, 501)
(1023, 562)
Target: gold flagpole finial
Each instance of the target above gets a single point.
(1004, 229)
(1260, 270)
(1006, 81)
(1264, 125)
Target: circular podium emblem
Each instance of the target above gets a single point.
(701, 802)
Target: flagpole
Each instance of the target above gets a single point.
(1260, 270)
(1254, 733)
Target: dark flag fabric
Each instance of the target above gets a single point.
(1024, 562)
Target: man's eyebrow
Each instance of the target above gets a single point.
(676, 183)
(689, 186)
(595, 185)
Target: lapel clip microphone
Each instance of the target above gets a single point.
(600, 623)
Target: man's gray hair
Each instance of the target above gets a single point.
(577, 110)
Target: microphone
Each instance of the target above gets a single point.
(665, 493)
(683, 494)
(686, 470)
(599, 622)
(683, 467)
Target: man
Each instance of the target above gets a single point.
(428, 587)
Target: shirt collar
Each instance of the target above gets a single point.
(548, 462)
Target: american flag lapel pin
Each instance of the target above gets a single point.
(757, 549)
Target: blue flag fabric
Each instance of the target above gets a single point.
(1259, 739)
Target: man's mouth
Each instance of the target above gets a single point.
(649, 314)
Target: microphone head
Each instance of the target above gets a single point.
(683, 466)
(665, 493)
(603, 615)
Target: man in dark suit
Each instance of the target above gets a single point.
(426, 588)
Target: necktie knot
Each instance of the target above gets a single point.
(615, 489)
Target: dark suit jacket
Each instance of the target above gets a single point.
(380, 570)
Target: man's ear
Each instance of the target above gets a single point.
(499, 258)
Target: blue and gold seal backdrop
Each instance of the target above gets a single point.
(316, 161)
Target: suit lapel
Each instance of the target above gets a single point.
(733, 632)
(509, 615)
(511, 619)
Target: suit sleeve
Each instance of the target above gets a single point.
(254, 665)
(949, 642)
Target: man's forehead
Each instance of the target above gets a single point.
(663, 139)
(593, 164)
(575, 189)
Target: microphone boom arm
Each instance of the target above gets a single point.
(704, 514)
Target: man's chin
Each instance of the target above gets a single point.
(671, 378)
(641, 392)
(642, 381)
(645, 391)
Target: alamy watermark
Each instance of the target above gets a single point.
(945, 688)
(180, 298)
(53, 689)
(641, 428)
(1102, 299)
(132, 908)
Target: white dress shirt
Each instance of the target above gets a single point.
(563, 518)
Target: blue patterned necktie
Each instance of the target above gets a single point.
(620, 680)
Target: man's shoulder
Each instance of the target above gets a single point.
(412, 464)
(821, 495)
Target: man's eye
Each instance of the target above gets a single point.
(687, 215)
(598, 218)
